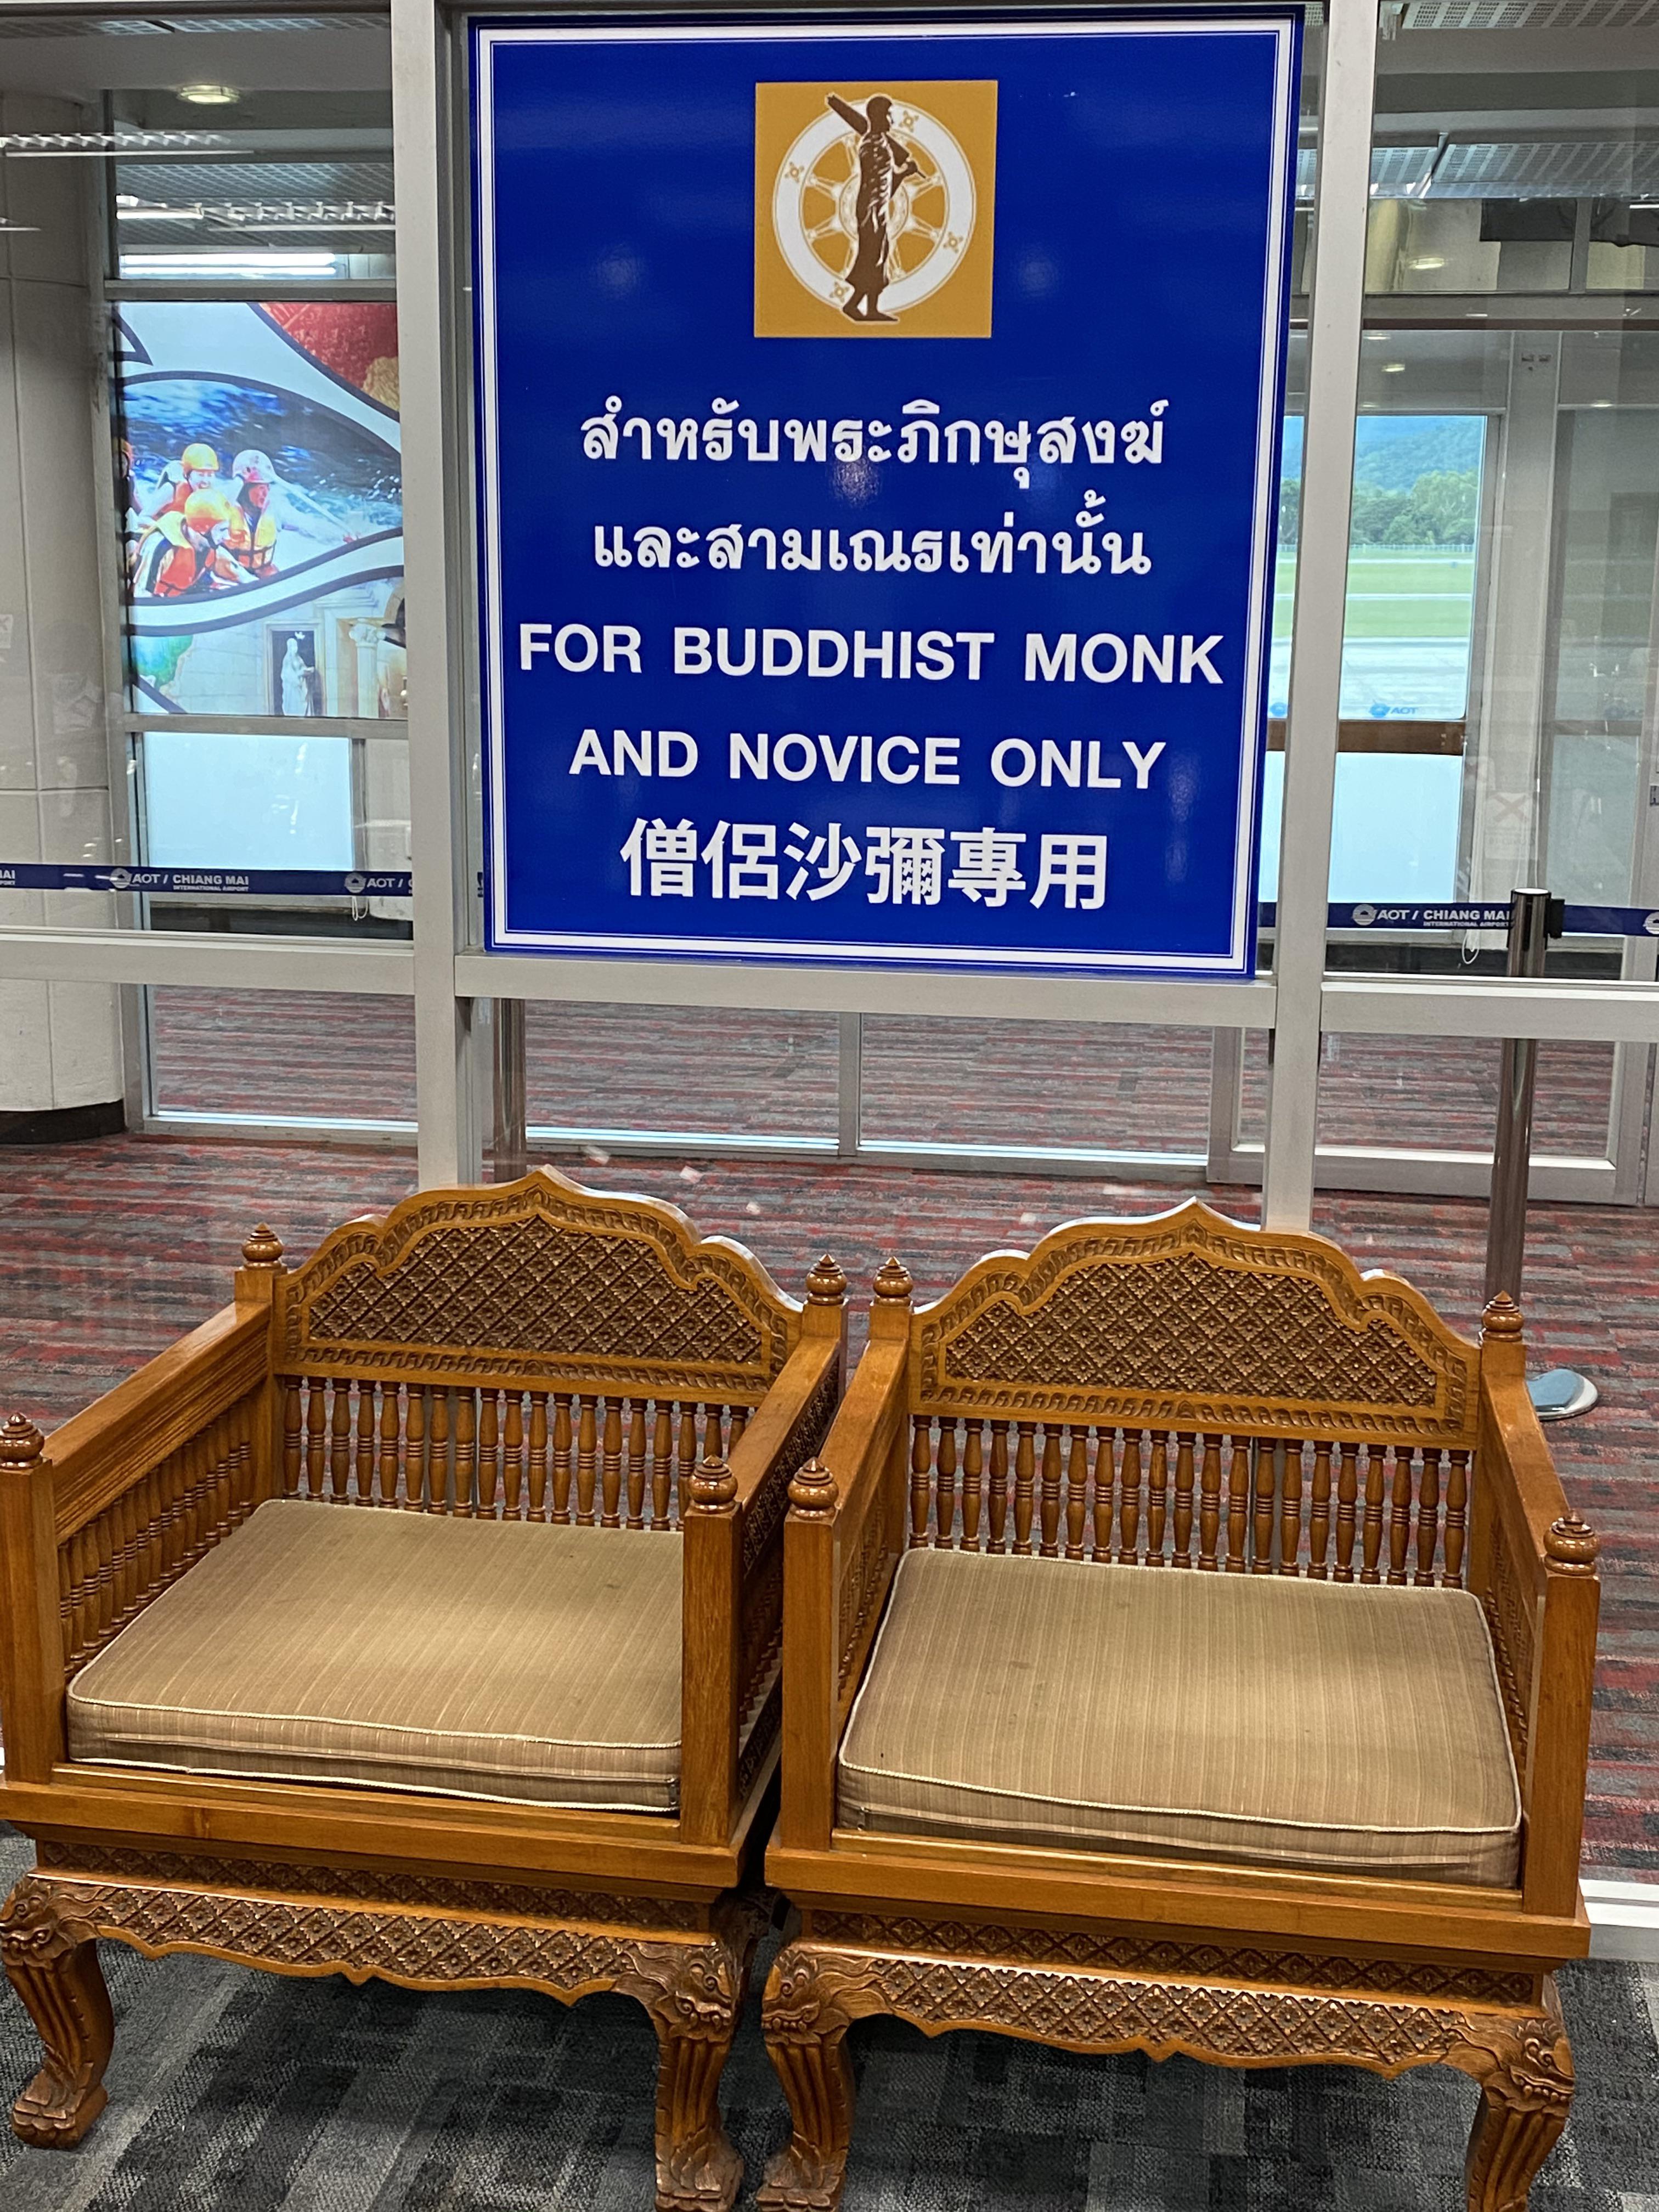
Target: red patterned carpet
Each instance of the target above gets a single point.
(111, 1249)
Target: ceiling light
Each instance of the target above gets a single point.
(255, 267)
(1427, 261)
(137, 214)
(1394, 369)
(209, 95)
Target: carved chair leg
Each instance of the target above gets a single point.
(695, 1997)
(806, 2041)
(52, 1961)
(1526, 2096)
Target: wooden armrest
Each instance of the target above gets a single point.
(128, 1494)
(1533, 1563)
(732, 1594)
(841, 1541)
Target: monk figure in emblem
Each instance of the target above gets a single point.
(883, 165)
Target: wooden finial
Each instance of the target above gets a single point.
(1572, 1544)
(262, 1250)
(826, 1285)
(713, 1488)
(812, 1492)
(893, 1281)
(1502, 1318)
(20, 1441)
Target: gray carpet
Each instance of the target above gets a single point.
(234, 2091)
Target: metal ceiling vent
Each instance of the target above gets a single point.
(1529, 14)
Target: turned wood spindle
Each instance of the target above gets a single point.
(466, 1450)
(636, 1462)
(291, 1427)
(339, 1440)
(316, 1442)
(390, 1413)
(538, 1444)
(611, 1470)
(437, 1483)
(1266, 1456)
(415, 1448)
(1100, 1519)
(1457, 1503)
(1238, 1504)
(1428, 1516)
(587, 1458)
(1128, 1511)
(1209, 1507)
(945, 1510)
(365, 1453)
(662, 1463)
(1400, 1514)
(1371, 1528)
(491, 1468)
(685, 1458)
(1077, 1489)
(1048, 1537)
(1347, 1496)
(563, 1461)
(973, 1484)
(512, 1457)
(1289, 1508)
(1158, 1499)
(1319, 1514)
(921, 1469)
(1024, 1485)
(1183, 1501)
(998, 1485)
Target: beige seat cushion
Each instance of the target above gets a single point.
(327, 1643)
(1259, 1718)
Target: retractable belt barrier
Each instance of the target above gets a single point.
(362, 883)
(213, 883)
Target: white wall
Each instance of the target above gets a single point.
(59, 1042)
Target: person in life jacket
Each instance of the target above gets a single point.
(192, 548)
(271, 504)
(197, 468)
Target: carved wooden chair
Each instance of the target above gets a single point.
(1188, 1648)
(419, 1616)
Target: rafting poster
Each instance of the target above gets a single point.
(259, 481)
(877, 428)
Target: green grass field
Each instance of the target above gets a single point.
(1404, 594)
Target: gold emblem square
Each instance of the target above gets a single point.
(958, 304)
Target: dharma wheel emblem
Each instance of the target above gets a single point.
(873, 207)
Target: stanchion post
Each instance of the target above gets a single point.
(1511, 1159)
(510, 1151)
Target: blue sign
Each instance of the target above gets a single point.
(878, 437)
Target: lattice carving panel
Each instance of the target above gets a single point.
(1289, 1340)
(616, 1290)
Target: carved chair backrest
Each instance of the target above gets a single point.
(1185, 1389)
(532, 1348)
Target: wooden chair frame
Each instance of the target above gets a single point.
(393, 1370)
(1161, 1341)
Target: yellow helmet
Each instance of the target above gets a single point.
(199, 456)
(203, 509)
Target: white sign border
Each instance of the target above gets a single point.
(1282, 29)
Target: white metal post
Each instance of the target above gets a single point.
(445, 1086)
(1336, 314)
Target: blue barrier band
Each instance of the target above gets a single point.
(1479, 913)
(326, 882)
(215, 883)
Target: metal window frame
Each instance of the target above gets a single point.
(451, 980)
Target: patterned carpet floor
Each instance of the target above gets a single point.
(236, 2092)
